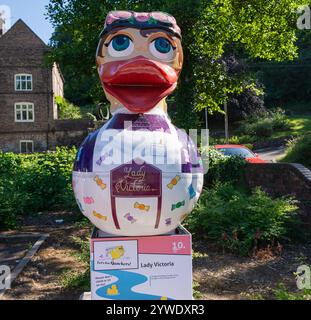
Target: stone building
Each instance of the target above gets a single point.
(28, 117)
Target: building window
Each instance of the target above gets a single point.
(26, 146)
(24, 112)
(23, 82)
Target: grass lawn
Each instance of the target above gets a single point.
(301, 124)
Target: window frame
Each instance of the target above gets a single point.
(26, 141)
(20, 75)
(28, 104)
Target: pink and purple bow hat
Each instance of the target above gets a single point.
(141, 20)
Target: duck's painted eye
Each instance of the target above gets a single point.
(162, 45)
(120, 46)
(162, 48)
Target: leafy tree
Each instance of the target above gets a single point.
(259, 28)
(288, 83)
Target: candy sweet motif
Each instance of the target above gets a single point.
(88, 200)
(173, 182)
(192, 192)
(130, 218)
(141, 206)
(178, 205)
(100, 182)
(101, 159)
(99, 216)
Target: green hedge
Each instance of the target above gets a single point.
(238, 221)
(30, 183)
(222, 168)
(265, 125)
(228, 214)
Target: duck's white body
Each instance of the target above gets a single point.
(137, 175)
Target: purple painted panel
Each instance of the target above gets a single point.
(190, 155)
(136, 180)
(133, 180)
(186, 167)
(144, 122)
(84, 158)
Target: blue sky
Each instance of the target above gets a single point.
(32, 12)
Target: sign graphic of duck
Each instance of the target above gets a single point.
(116, 252)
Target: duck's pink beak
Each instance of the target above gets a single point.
(138, 83)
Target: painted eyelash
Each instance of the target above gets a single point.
(174, 48)
(108, 43)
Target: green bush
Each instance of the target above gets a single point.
(263, 126)
(281, 293)
(245, 140)
(67, 110)
(299, 150)
(221, 168)
(260, 127)
(238, 221)
(30, 183)
(280, 120)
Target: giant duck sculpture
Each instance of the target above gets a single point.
(138, 175)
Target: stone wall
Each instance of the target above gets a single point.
(283, 179)
(60, 133)
(10, 142)
(69, 132)
(72, 125)
(66, 138)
